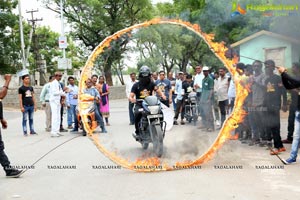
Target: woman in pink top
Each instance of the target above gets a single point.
(104, 101)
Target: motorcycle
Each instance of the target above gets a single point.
(152, 128)
(191, 108)
(87, 120)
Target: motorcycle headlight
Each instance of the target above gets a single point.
(153, 109)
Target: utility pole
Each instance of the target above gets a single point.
(62, 25)
(63, 36)
(35, 45)
(22, 36)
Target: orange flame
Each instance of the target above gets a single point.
(237, 116)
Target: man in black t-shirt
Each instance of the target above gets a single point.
(141, 90)
(273, 104)
(187, 86)
(27, 104)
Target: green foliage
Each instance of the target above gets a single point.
(92, 21)
(47, 47)
(191, 5)
(215, 17)
(44, 46)
(130, 70)
(164, 46)
(9, 49)
(165, 10)
(171, 47)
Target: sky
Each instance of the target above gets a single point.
(50, 18)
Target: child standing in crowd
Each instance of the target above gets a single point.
(273, 104)
(27, 104)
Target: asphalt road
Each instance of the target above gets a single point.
(78, 170)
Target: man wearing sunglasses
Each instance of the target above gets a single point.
(56, 92)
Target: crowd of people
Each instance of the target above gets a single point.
(216, 93)
(56, 98)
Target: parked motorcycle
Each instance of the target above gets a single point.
(87, 120)
(151, 126)
(191, 108)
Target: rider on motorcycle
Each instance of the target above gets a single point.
(140, 90)
(187, 86)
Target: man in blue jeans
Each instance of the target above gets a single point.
(292, 83)
(27, 104)
(71, 100)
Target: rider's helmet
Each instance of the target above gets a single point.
(144, 71)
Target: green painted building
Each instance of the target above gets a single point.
(265, 45)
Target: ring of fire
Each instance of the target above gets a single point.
(230, 124)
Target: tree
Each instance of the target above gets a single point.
(9, 47)
(44, 46)
(92, 21)
(215, 17)
(171, 46)
(48, 47)
(157, 46)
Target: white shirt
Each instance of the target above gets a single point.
(73, 90)
(44, 96)
(198, 81)
(222, 88)
(129, 85)
(231, 90)
(178, 89)
(55, 91)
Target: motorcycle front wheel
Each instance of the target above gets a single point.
(145, 145)
(195, 118)
(157, 139)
